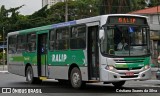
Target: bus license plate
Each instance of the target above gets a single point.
(129, 73)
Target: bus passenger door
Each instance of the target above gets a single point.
(42, 54)
(93, 56)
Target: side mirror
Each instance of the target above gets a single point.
(101, 34)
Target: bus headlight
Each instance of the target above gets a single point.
(146, 67)
(109, 67)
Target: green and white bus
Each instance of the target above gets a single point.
(83, 51)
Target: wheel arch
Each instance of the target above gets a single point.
(28, 64)
(70, 69)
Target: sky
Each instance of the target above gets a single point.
(30, 5)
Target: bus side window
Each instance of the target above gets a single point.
(59, 46)
(31, 42)
(62, 40)
(21, 43)
(78, 37)
(52, 40)
(12, 44)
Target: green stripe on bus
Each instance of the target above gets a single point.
(141, 62)
(121, 66)
(16, 58)
(66, 57)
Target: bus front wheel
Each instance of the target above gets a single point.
(119, 84)
(30, 77)
(76, 78)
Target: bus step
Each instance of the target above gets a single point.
(94, 78)
(43, 78)
(93, 81)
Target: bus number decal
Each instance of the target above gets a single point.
(59, 57)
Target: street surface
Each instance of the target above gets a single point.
(54, 88)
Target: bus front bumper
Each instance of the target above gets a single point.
(110, 76)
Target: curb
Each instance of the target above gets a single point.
(4, 72)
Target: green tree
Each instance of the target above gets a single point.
(3, 13)
(115, 6)
(137, 5)
(154, 3)
(1, 57)
(14, 14)
(124, 6)
(77, 10)
(4, 19)
(40, 13)
(8, 22)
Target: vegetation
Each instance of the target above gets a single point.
(11, 20)
(1, 58)
(125, 6)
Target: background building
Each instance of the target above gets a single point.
(153, 15)
(44, 2)
(50, 2)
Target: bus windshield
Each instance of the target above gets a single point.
(125, 40)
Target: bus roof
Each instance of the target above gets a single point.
(80, 21)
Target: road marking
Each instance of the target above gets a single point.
(144, 85)
(150, 85)
(153, 80)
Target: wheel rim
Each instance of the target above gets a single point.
(76, 79)
(29, 75)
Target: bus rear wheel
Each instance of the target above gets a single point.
(76, 78)
(30, 77)
(119, 84)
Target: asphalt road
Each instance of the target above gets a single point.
(52, 87)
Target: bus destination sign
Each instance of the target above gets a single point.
(126, 20)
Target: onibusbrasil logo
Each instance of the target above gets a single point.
(21, 90)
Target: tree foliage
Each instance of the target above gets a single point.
(76, 10)
(11, 20)
(115, 6)
(124, 6)
(154, 3)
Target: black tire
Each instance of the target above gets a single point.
(30, 76)
(37, 80)
(76, 79)
(118, 84)
(61, 81)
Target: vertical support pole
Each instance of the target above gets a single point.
(3, 49)
(66, 10)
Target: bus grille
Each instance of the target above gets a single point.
(129, 76)
(136, 68)
(129, 61)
